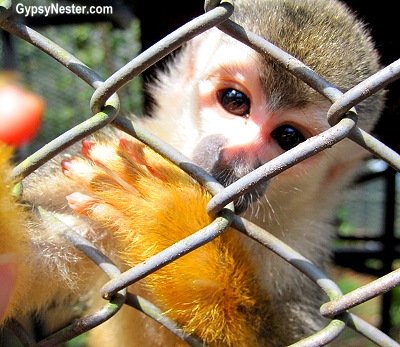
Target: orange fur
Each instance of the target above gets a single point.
(13, 246)
(211, 291)
(33, 258)
(10, 211)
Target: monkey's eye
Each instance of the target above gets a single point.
(234, 102)
(287, 136)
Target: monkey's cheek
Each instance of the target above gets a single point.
(243, 203)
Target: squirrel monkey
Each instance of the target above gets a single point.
(230, 110)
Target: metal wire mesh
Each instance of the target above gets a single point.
(105, 106)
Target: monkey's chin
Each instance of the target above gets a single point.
(209, 154)
(245, 200)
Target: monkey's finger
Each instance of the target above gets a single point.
(77, 170)
(95, 177)
(134, 148)
(94, 208)
(81, 203)
(128, 167)
(131, 160)
(113, 198)
(156, 165)
(134, 165)
(85, 174)
(145, 156)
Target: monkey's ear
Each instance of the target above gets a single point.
(183, 64)
(182, 67)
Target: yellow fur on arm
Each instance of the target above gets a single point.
(11, 212)
(150, 204)
(13, 237)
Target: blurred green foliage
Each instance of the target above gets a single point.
(99, 46)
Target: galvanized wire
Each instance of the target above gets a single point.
(165, 257)
(158, 51)
(286, 160)
(105, 107)
(116, 299)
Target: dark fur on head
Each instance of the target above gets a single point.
(331, 57)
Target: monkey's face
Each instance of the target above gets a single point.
(231, 110)
(242, 117)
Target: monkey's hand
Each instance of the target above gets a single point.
(134, 190)
(149, 204)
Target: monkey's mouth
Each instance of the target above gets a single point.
(209, 154)
(226, 175)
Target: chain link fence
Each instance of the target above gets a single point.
(105, 106)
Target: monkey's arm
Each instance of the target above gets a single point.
(12, 233)
(14, 244)
(42, 278)
(149, 204)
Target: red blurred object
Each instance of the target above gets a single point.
(21, 112)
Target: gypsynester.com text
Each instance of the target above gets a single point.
(56, 9)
